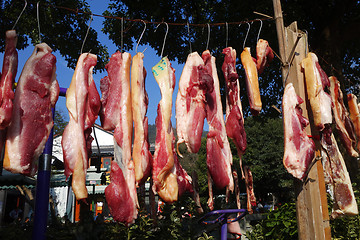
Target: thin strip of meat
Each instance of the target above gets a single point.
(234, 120)
(264, 55)
(190, 103)
(218, 153)
(141, 155)
(299, 149)
(116, 114)
(251, 200)
(29, 129)
(83, 104)
(354, 116)
(252, 82)
(164, 171)
(316, 83)
(338, 179)
(343, 122)
(9, 70)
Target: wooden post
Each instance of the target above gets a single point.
(311, 202)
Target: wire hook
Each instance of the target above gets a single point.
(227, 34)
(188, 28)
(87, 32)
(140, 36)
(261, 23)
(20, 15)
(37, 16)
(247, 33)
(167, 30)
(208, 40)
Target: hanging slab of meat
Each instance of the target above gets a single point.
(183, 179)
(264, 55)
(116, 114)
(252, 82)
(83, 104)
(190, 103)
(234, 120)
(354, 116)
(141, 155)
(299, 149)
(316, 82)
(339, 180)
(343, 122)
(29, 129)
(251, 200)
(9, 70)
(218, 153)
(164, 171)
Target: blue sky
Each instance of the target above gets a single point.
(64, 74)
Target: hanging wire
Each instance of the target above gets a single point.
(87, 32)
(20, 15)
(227, 34)
(167, 30)
(188, 28)
(122, 34)
(37, 16)
(208, 40)
(140, 36)
(247, 33)
(261, 23)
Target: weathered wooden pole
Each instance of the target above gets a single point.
(311, 202)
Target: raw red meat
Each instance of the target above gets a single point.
(299, 149)
(252, 82)
(343, 122)
(141, 155)
(264, 55)
(27, 133)
(251, 200)
(116, 114)
(7, 80)
(190, 103)
(234, 120)
(218, 153)
(337, 178)
(354, 116)
(83, 104)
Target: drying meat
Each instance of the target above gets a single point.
(316, 83)
(251, 200)
(7, 80)
(190, 103)
(218, 153)
(343, 122)
(116, 114)
(264, 55)
(141, 155)
(183, 179)
(234, 120)
(354, 116)
(338, 179)
(164, 171)
(252, 82)
(299, 149)
(29, 129)
(83, 104)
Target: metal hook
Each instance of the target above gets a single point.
(227, 34)
(208, 40)
(87, 32)
(261, 23)
(247, 33)
(188, 28)
(140, 36)
(37, 16)
(307, 43)
(167, 30)
(20, 15)
(122, 34)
